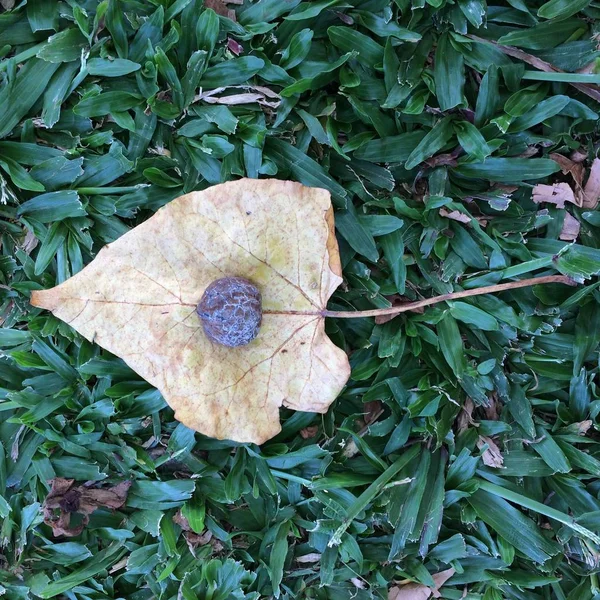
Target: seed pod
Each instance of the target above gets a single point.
(231, 311)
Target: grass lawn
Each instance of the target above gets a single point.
(459, 142)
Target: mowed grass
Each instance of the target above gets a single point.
(463, 453)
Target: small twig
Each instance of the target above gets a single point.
(538, 63)
(490, 289)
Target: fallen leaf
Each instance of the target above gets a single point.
(373, 411)
(138, 300)
(192, 539)
(529, 152)
(180, 519)
(312, 557)
(29, 243)
(578, 156)
(69, 499)
(455, 215)
(234, 99)
(556, 194)
(591, 191)
(492, 410)
(583, 426)
(418, 591)
(569, 167)
(234, 46)
(465, 417)
(220, 7)
(570, 228)
(119, 565)
(447, 160)
(309, 432)
(492, 457)
(258, 94)
(357, 582)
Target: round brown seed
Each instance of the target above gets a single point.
(231, 311)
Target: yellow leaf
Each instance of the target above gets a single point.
(138, 300)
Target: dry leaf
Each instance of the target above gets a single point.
(418, 591)
(234, 46)
(570, 228)
(220, 7)
(372, 411)
(192, 539)
(69, 499)
(556, 194)
(258, 94)
(29, 243)
(465, 417)
(578, 156)
(138, 300)
(309, 432)
(492, 410)
(492, 457)
(455, 215)
(569, 167)
(583, 426)
(312, 557)
(357, 582)
(591, 191)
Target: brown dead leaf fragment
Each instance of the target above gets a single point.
(192, 539)
(234, 46)
(492, 457)
(455, 215)
(220, 7)
(556, 194)
(138, 300)
(465, 417)
(570, 167)
(372, 411)
(591, 191)
(418, 591)
(583, 426)
(570, 228)
(309, 432)
(69, 499)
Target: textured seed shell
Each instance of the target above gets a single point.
(231, 311)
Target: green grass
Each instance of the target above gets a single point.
(107, 112)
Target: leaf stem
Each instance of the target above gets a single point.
(490, 289)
